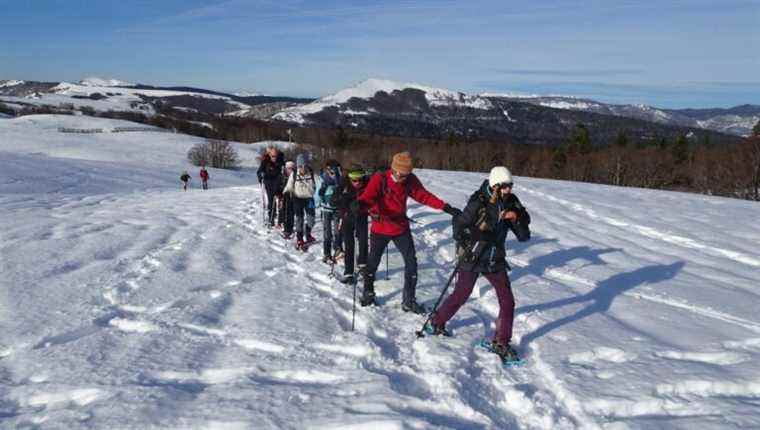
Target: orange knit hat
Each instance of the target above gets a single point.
(402, 163)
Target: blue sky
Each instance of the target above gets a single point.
(691, 53)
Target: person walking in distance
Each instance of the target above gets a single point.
(204, 177)
(301, 186)
(480, 232)
(287, 214)
(386, 195)
(270, 175)
(185, 178)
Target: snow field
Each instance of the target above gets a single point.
(127, 303)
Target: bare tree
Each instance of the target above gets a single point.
(214, 153)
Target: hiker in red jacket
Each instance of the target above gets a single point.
(204, 177)
(386, 196)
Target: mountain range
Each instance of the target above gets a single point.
(386, 107)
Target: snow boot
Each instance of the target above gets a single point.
(368, 299)
(338, 255)
(368, 295)
(347, 279)
(505, 352)
(414, 307)
(309, 238)
(436, 330)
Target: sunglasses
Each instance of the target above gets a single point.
(506, 185)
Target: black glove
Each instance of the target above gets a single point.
(454, 212)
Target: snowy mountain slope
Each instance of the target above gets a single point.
(171, 309)
(369, 88)
(95, 81)
(737, 121)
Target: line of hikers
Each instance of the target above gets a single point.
(185, 178)
(350, 199)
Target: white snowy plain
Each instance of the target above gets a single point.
(127, 303)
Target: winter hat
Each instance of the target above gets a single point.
(300, 160)
(355, 174)
(290, 165)
(499, 175)
(402, 163)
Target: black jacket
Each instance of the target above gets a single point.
(344, 196)
(480, 230)
(271, 171)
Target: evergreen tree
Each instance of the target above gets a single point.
(680, 149)
(580, 141)
(756, 129)
(621, 141)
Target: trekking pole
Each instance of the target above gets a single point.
(263, 209)
(421, 332)
(386, 264)
(356, 272)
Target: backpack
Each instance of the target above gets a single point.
(463, 234)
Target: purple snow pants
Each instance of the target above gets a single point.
(462, 291)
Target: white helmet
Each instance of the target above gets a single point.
(499, 175)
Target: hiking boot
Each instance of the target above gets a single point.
(368, 299)
(327, 259)
(301, 245)
(287, 236)
(347, 279)
(339, 254)
(436, 330)
(414, 307)
(505, 351)
(310, 238)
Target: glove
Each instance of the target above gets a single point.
(454, 212)
(354, 207)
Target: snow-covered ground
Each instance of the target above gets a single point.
(127, 303)
(120, 96)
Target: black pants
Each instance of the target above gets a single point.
(286, 215)
(405, 245)
(355, 228)
(272, 189)
(304, 214)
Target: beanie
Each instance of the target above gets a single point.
(402, 163)
(499, 175)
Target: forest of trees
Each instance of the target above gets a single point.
(683, 163)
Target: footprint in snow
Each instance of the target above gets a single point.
(601, 353)
(720, 358)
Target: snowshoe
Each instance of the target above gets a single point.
(507, 354)
(414, 307)
(339, 255)
(436, 330)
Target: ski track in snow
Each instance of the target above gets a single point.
(206, 319)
